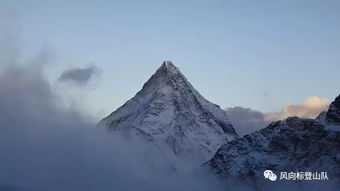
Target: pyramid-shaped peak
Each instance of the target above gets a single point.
(169, 67)
(168, 64)
(170, 112)
(168, 72)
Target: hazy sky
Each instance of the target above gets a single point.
(257, 54)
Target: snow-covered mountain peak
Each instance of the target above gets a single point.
(168, 74)
(169, 112)
(168, 65)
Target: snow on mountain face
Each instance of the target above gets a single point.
(292, 145)
(169, 112)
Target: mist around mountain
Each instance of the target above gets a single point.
(45, 147)
(293, 144)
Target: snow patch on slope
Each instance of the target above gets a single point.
(171, 114)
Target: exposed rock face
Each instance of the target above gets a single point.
(169, 112)
(291, 145)
(333, 113)
(321, 117)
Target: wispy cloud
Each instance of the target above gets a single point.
(311, 107)
(79, 75)
(246, 120)
(44, 146)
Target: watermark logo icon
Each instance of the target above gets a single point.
(297, 176)
(268, 174)
(304, 176)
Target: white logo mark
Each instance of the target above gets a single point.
(268, 174)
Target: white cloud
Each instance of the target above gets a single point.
(246, 120)
(309, 108)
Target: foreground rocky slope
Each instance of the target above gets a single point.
(291, 145)
(169, 112)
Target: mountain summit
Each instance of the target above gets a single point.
(169, 112)
(331, 118)
(333, 113)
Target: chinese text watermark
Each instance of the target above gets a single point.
(268, 174)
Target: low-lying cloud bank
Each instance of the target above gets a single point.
(47, 147)
(44, 146)
(246, 120)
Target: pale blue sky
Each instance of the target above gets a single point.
(257, 54)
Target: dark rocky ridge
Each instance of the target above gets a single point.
(333, 113)
(291, 145)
